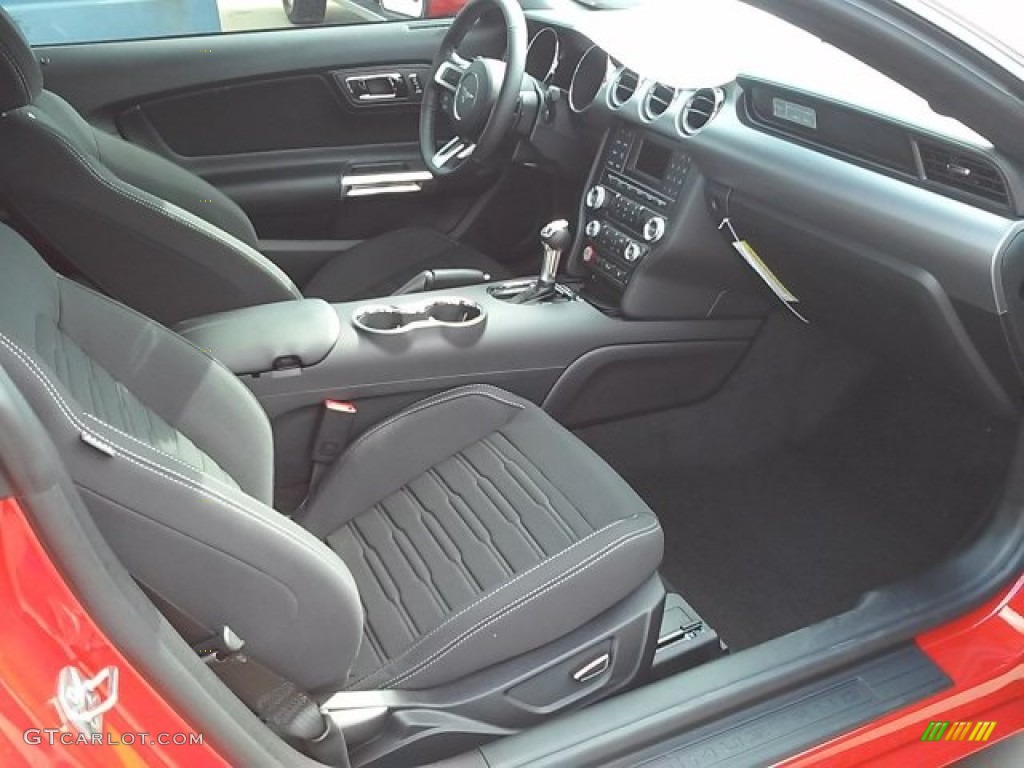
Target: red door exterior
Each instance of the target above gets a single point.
(46, 630)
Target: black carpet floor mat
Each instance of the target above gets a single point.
(888, 487)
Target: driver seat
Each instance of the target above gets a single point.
(467, 564)
(157, 237)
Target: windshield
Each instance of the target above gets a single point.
(1001, 20)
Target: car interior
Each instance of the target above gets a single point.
(518, 388)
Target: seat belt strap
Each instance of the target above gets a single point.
(288, 710)
(337, 420)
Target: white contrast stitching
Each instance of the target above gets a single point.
(445, 397)
(181, 216)
(511, 608)
(149, 322)
(490, 595)
(144, 463)
(172, 457)
(440, 399)
(177, 339)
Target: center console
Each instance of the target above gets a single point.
(382, 355)
(631, 204)
(655, 323)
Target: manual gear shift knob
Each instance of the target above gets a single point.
(556, 238)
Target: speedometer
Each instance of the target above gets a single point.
(542, 57)
(588, 78)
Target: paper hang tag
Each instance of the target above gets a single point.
(775, 285)
(764, 272)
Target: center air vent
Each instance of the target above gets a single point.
(963, 172)
(625, 85)
(659, 99)
(700, 109)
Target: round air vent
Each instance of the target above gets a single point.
(700, 109)
(623, 87)
(658, 100)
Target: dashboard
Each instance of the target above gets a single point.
(904, 238)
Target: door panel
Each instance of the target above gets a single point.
(276, 119)
(285, 113)
(102, 78)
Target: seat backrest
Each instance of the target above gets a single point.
(141, 228)
(173, 456)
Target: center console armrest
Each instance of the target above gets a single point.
(289, 334)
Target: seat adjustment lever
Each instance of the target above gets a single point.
(593, 669)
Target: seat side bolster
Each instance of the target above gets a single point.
(169, 181)
(229, 560)
(218, 553)
(179, 382)
(151, 254)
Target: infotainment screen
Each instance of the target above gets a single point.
(653, 160)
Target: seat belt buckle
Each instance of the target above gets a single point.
(332, 436)
(220, 646)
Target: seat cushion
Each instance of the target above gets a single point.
(477, 529)
(380, 265)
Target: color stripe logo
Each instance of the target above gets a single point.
(947, 731)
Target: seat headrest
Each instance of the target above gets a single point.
(21, 79)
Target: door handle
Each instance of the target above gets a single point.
(384, 86)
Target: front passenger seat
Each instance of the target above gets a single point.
(157, 237)
(449, 548)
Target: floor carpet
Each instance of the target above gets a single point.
(887, 487)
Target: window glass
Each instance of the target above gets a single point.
(1001, 19)
(84, 21)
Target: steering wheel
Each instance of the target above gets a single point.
(479, 97)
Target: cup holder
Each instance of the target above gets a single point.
(410, 316)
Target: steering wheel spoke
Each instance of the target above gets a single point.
(450, 72)
(473, 98)
(456, 149)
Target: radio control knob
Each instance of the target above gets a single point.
(597, 197)
(632, 252)
(654, 229)
(593, 228)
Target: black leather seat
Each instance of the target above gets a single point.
(155, 236)
(463, 532)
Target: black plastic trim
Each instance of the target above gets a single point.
(810, 715)
(856, 147)
(955, 79)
